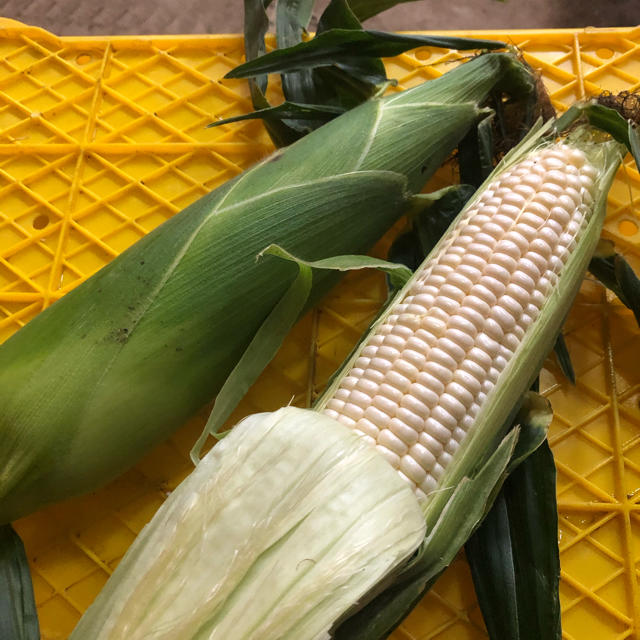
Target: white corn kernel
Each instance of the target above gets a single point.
(412, 469)
(397, 380)
(377, 417)
(368, 428)
(391, 441)
(423, 456)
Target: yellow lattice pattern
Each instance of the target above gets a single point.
(102, 139)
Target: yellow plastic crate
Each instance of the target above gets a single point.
(102, 139)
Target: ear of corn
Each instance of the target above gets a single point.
(397, 395)
(453, 452)
(471, 329)
(120, 362)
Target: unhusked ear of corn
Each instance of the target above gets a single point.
(116, 365)
(428, 393)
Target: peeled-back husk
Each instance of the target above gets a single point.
(286, 523)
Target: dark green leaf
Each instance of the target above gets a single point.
(292, 18)
(608, 120)
(564, 359)
(287, 110)
(603, 268)
(331, 47)
(338, 15)
(432, 217)
(366, 9)
(347, 85)
(616, 274)
(475, 153)
(514, 555)
(279, 131)
(629, 285)
(485, 146)
(256, 24)
(634, 143)
(437, 219)
(366, 73)
(18, 616)
(406, 249)
(489, 551)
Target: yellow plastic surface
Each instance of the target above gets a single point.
(102, 139)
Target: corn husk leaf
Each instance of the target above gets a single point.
(398, 273)
(256, 25)
(475, 153)
(261, 350)
(279, 322)
(282, 526)
(366, 9)
(18, 614)
(330, 47)
(514, 556)
(138, 356)
(286, 110)
(597, 115)
(616, 274)
(564, 358)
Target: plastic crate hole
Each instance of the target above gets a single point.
(628, 228)
(83, 58)
(41, 221)
(422, 54)
(604, 53)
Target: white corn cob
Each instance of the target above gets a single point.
(419, 382)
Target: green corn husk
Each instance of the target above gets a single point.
(119, 363)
